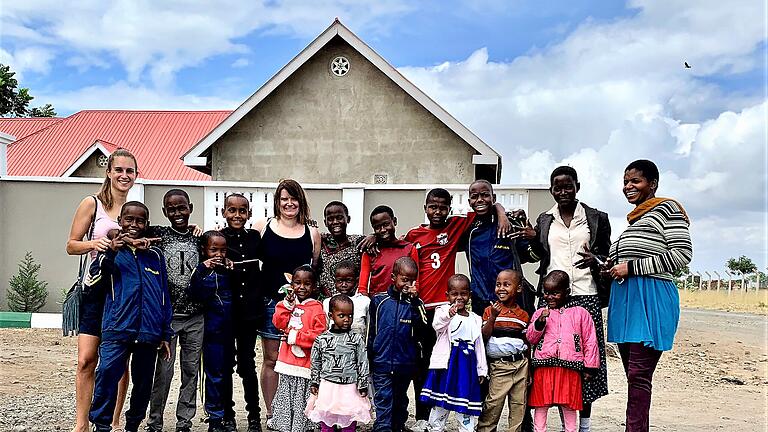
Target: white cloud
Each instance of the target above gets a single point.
(241, 62)
(124, 95)
(25, 60)
(613, 92)
(160, 38)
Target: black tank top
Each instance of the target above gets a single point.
(281, 255)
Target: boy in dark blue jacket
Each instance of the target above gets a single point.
(210, 285)
(136, 321)
(398, 322)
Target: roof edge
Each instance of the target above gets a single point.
(193, 157)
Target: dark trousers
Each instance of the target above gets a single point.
(113, 358)
(245, 352)
(391, 400)
(218, 358)
(427, 345)
(639, 364)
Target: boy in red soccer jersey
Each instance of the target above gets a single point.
(437, 243)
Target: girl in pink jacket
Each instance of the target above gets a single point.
(564, 351)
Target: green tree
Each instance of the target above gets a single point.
(26, 293)
(741, 265)
(14, 101)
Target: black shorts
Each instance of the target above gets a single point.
(91, 313)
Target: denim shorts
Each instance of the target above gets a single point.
(91, 313)
(268, 329)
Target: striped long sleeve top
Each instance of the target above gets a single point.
(657, 244)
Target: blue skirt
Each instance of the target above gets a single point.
(456, 388)
(644, 310)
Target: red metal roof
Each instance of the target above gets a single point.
(21, 127)
(158, 139)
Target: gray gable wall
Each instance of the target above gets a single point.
(319, 128)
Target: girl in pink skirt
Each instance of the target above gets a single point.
(339, 380)
(564, 352)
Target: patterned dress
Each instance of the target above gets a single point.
(331, 255)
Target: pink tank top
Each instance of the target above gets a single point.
(102, 224)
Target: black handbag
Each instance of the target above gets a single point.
(70, 308)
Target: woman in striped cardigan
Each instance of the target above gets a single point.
(644, 307)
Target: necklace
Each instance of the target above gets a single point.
(179, 232)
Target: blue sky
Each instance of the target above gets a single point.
(593, 84)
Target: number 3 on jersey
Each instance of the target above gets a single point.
(435, 257)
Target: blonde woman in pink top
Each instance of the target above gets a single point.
(120, 176)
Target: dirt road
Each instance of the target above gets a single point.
(716, 378)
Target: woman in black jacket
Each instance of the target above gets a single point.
(575, 238)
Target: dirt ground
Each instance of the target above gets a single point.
(715, 378)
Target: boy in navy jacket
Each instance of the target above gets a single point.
(398, 323)
(136, 321)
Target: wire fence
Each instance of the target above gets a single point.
(724, 280)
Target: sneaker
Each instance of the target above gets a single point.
(420, 426)
(216, 426)
(230, 425)
(254, 425)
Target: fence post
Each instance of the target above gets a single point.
(719, 278)
(709, 280)
(353, 195)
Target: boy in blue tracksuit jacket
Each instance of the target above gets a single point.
(136, 321)
(398, 322)
(210, 285)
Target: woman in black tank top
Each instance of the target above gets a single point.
(287, 242)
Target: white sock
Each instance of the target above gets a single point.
(585, 423)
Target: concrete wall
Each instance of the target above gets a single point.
(90, 168)
(319, 128)
(36, 217)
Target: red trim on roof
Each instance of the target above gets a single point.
(158, 139)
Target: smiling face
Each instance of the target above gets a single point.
(458, 293)
(405, 278)
(437, 210)
(384, 227)
(507, 287)
(236, 211)
(289, 205)
(216, 247)
(481, 198)
(133, 220)
(637, 188)
(336, 220)
(342, 315)
(303, 284)
(345, 281)
(555, 293)
(177, 209)
(122, 173)
(564, 189)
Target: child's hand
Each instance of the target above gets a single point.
(364, 393)
(495, 309)
(141, 243)
(212, 262)
(118, 242)
(228, 264)
(481, 379)
(313, 389)
(290, 296)
(165, 349)
(368, 245)
(544, 315)
(197, 231)
(453, 310)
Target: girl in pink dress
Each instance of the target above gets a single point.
(564, 352)
(339, 382)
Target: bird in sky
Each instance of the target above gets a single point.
(687, 66)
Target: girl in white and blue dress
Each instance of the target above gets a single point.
(458, 364)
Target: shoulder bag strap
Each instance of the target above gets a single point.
(83, 261)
